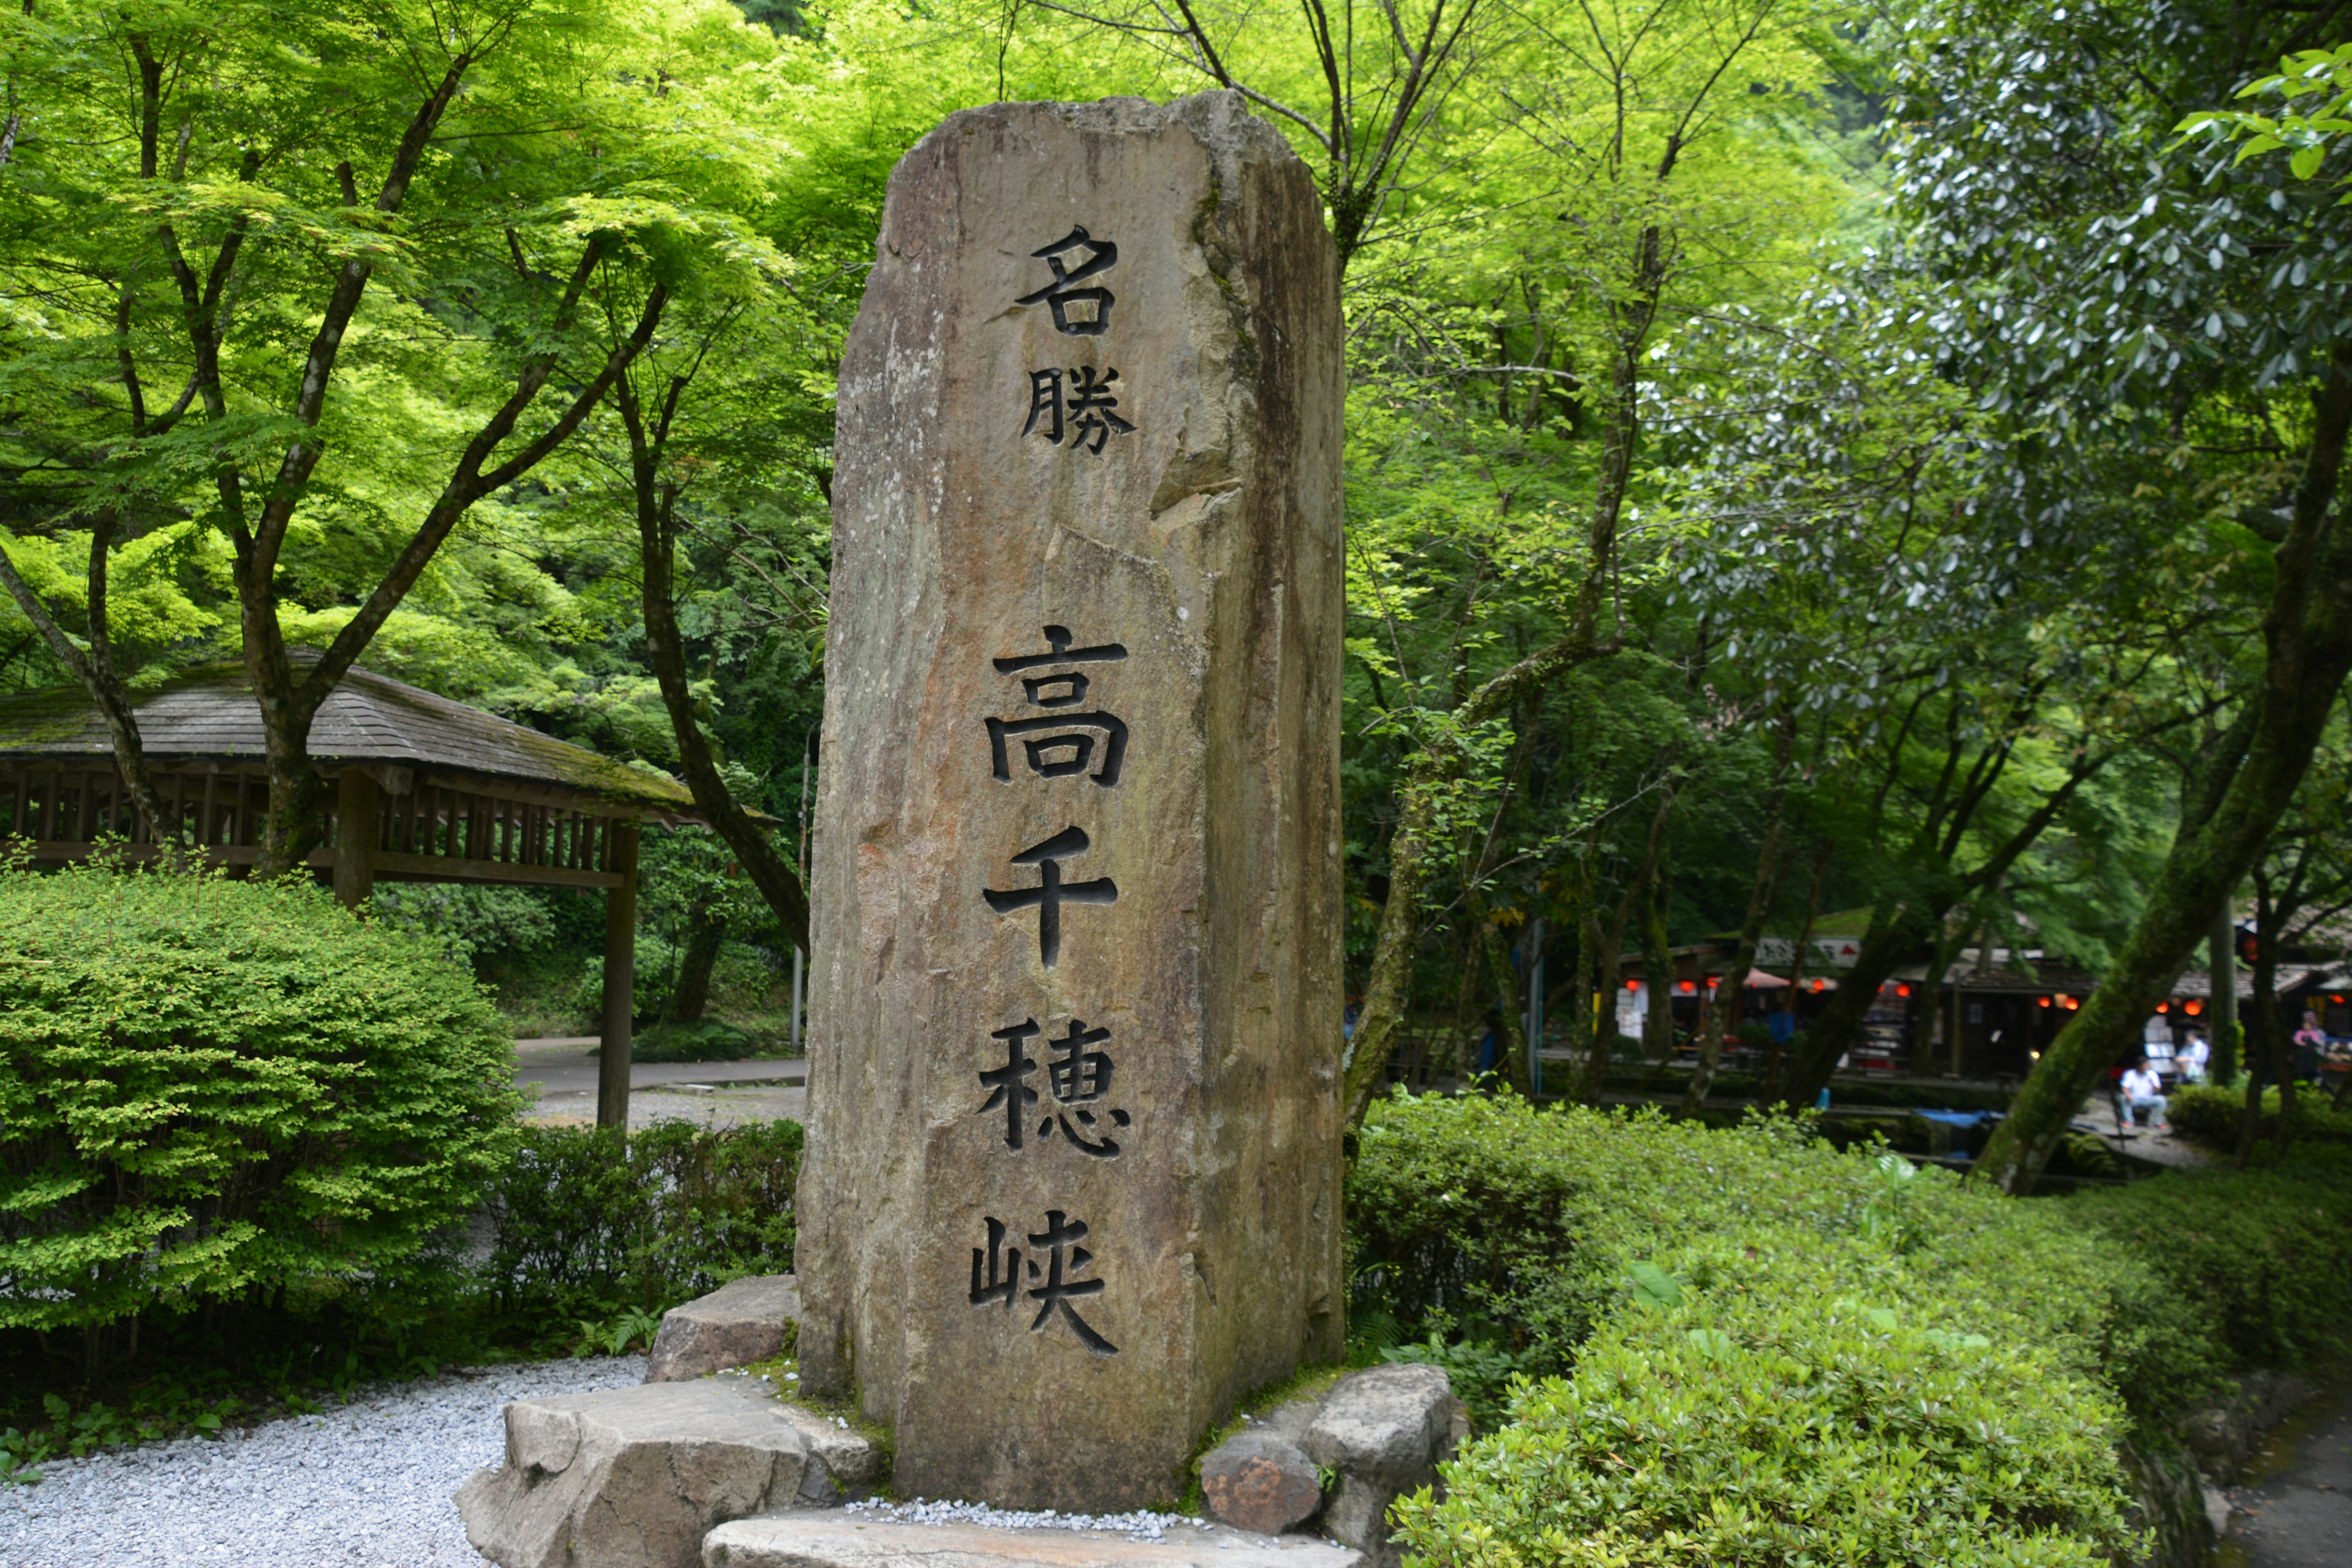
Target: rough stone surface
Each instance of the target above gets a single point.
(1257, 1481)
(1384, 1430)
(1174, 580)
(742, 1322)
(834, 1540)
(634, 1478)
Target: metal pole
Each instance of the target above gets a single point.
(797, 958)
(620, 983)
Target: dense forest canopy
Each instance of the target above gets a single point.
(1801, 457)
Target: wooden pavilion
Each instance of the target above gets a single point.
(424, 790)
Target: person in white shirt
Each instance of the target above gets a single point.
(2143, 1090)
(2193, 1057)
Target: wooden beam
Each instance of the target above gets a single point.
(393, 866)
(620, 981)
(356, 805)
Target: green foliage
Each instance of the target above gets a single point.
(1807, 1401)
(473, 922)
(2317, 84)
(581, 1225)
(213, 1089)
(2260, 1260)
(2213, 1115)
(1758, 1349)
(705, 1040)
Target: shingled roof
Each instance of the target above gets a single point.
(210, 714)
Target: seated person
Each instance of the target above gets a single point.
(2142, 1091)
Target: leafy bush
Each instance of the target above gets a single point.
(2260, 1261)
(2211, 1115)
(1770, 1353)
(474, 923)
(213, 1088)
(1797, 1399)
(580, 1223)
(704, 1040)
(649, 982)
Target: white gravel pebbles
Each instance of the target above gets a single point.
(1140, 1525)
(364, 1484)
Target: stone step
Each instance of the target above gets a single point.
(740, 1322)
(831, 1540)
(634, 1478)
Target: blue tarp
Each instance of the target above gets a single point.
(1959, 1118)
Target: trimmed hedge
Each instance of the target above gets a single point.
(1750, 1348)
(215, 1090)
(581, 1222)
(2213, 1116)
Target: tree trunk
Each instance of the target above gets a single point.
(706, 931)
(1658, 973)
(2229, 1032)
(657, 502)
(1722, 1009)
(96, 675)
(1441, 759)
(2307, 637)
(1776, 1062)
(1507, 990)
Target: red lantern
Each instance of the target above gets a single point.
(1902, 991)
(1686, 986)
(2164, 1007)
(1817, 985)
(2192, 1006)
(2041, 1001)
(1632, 985)
(2072, 1003)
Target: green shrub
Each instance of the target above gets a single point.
(704, 1040)
(2260, 1259)
(213, 1089)
(1770, 1353)
(2212, 1116)
(1792, 1399)
(579, 1222)
(1486, 1219)
(649, 982)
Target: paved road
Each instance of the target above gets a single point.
(2300, 1516)
(718, 1094)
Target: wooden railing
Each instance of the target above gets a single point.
(438, 829)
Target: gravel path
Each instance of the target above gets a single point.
(365, 1485)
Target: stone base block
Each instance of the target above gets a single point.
(842, 1540)
(1380, 1433)
(743, 1321)
(634, 1478)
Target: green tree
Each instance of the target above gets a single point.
(322, 282)
(2179, 311)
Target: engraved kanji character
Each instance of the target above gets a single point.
(1093, 313)
(1051, 893)
(1060, 743)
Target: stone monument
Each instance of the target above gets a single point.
(1072, 1184)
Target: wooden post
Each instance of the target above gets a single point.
(356, 805)
(620, 983)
